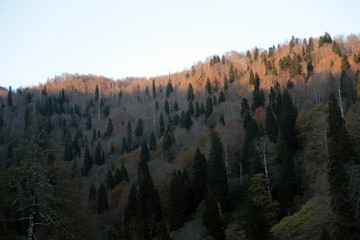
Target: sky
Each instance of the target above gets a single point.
(116, 38)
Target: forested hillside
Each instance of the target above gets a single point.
(257, 145)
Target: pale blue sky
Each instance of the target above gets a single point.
(41, 39)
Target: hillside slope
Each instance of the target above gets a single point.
(239, 146)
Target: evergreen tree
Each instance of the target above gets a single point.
(147, 93)
(161, 124)
(68, 151)
(358, 84)
(217, 175)
(176, 106)
(251, 77)
(124, 146)
(261, 214)
(208, 86)
(198, 112)
(190, 93)
(244, 107)
(191, 109)
(221, 97)
(178, 201)
(167, 141)
(92, 192)
(139, 128)
(209, 107)
(187, 121)
(345, 65)
(131, 207)
(9, 97)
(166, 106)
(109, 181)
(212, 219)
(117, 177)
(87, 161)
(199, 182)
(152, 143)
(336, 49)
(124, 173)
(271, 127)
(109, 128)
(88, 122)
(154, 89)
(288, 119)
(97, 92)
(341, 152)
(129, 136)
(98, 157)
(226, 83)
(214, 100)
(232, 73)
(102, 201)
(169, 89)
(144, 153)
(222, 119)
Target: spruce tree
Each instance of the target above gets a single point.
(124, 173)
(208, 86)
(288, 119)
(109, 181)
(209, 107)
(198, 112)
(68, 151)
(166, 106)
(87, 161)
(144, 153)
(97, 92)
(271, 127)
(131, 207)
(129, 136)
(176, 106)
(190, 93)
(139, 128)
(341, 152)
(109, 128)
(117, 177)
(161, 125)
(212, 219)
(124, 146)
(154, 89)
(152, 142)
(199, 182)
(102, 201)
(226, 83)
(221, 97)
(92, 192)
(98, 157)
(217, 175)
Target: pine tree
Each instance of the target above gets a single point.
(217, 175)
(232, 74)
(97, 92)
(87, 161)
(169, 89)
(161, 124)
(209, 107)
(226, 83)
(144, 153)
(260, 213)
(147, 93)
(124, 146)
(166, 106)
(176, 106)
(124, 173)
(68, 151)
(152, 143)
(199, 182)
(139, 128)
(88, 122)
(102, 201)
(131, 207)
(129, 136)
(109, 128)
(287, 120)
(208, 86)
(191, 109)
(117, 177)
(336, 49)
(221, 97)
(98, 157)
(341, 152)
(109, 181)
(187, 121)
(271, 127)
(345, 65)
(198, 112)
(190, 93)
(212, 220)
(154, 89)
(92, 192)
(222, 119)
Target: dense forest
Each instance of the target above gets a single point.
(257, 145)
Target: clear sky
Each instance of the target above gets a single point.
(116, 38)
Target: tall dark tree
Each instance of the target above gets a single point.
(271, 127)
(131, 207)
(217, 175)
(9, 97)
(152, 142)
(341, 152)
(129, 136)
(154, 89)
(198, 112)
(109, 128)
(199, 181)
(166, 106)
(97, 92)
(288, 119)
(109, 181)
(208, 86)
(102, 201)
(98, 157)
(124, 146)
(68, 151)
(88, 121)
(190, 93)
(139, 128)
(144, 153)
(232, 73)
(161, 125)
(176, 106)
(212, 218)
(209, 107)
(88, 163)
(226, 83)
(221, 97)
(147, 93)
(169, 88)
